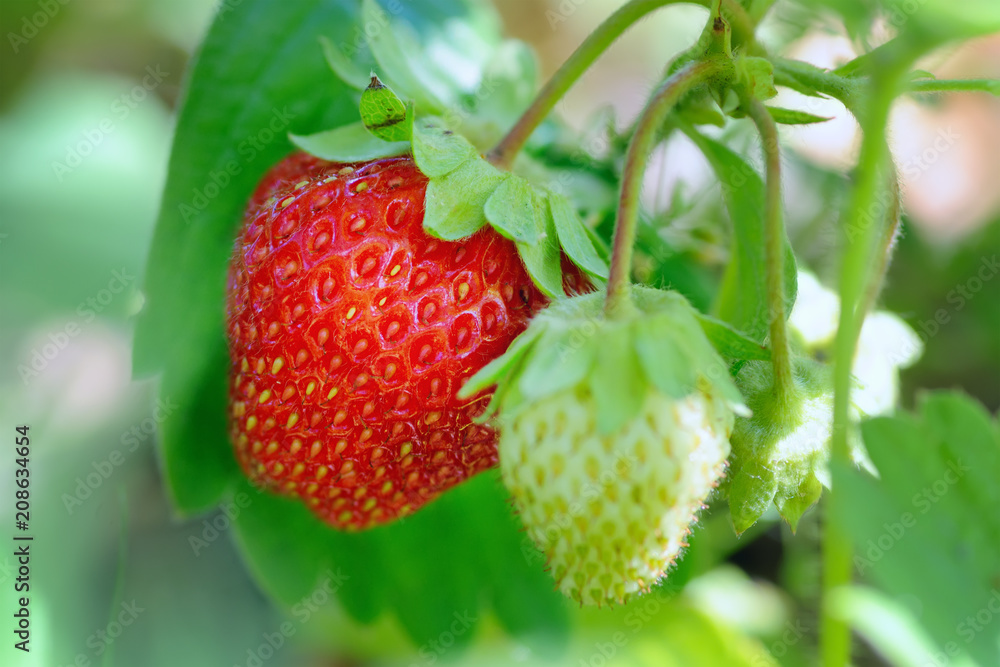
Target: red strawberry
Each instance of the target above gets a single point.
(350, 332)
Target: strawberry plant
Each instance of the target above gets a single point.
(394, 299)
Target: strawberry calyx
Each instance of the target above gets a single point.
(661, 347)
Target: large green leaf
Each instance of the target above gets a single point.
(928, 532)
(455, 554)
(742, 297)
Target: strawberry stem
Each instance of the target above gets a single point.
(886, 81)
(597, 42)
(774, 255)
(647, 131)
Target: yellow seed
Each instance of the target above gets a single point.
(286, 201)
(315, 449)
(264, 396)
(396, 269)
(276, 366)
(295, 447)
(272, 447)
(406, 449)
(351, 312)
(251, 422)
(333, 392)
(244, 365)
(300, 184)
(310, 388)
(386, 488)
(463, 290)
(344, 516)
(369, 504)
(292, 419)
(382, 301)
(298, 469)
(361, 187)
(321, 472)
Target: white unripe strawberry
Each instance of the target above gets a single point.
(613, 433)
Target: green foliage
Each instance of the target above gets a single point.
(928, 530)
(741, 300)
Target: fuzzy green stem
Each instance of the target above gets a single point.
(774, 255)
(647, 131)
(991, 86)
(580, 61)
(863, 227)
(883, 254)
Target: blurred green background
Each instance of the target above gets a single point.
(88, 90)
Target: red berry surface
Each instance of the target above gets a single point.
(350, 332)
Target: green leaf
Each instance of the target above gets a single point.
(454, 203)
(729, 342)
(346, 69)
(573, 237)
(742, 297)
(517, 211)
(617, 381)
(399, 66)
(222, 145)
(348, 143)
(794, 117)
(198, 475)
(384, 114)
(428, 568)
(929, 529)
(437, 150)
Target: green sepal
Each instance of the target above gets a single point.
(517, 211)
(564, 361)
(658, 347)
(665, 358)
(384, 114)
(499, 368)
(780, 454)
(437, 150)
(454, 203)
(349, 143)
(574, 237)
(731, 343)
(543, 260)
(346, 69)
(795, 117)
(792, 501)
(752, 487)
(755, 77)
(617, 380)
